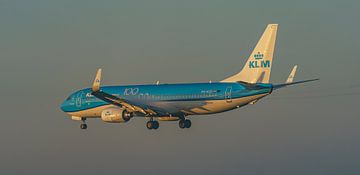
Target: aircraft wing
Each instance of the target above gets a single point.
(131, 106)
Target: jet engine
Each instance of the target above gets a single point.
(116, 115)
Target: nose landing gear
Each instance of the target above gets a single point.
(83, 125)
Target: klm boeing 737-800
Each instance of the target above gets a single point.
(176, 102)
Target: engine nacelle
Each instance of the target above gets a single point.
(116, 115)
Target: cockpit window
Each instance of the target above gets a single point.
(69, 98)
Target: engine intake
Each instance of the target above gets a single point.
(116, 115)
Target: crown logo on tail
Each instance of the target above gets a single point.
(258, 56)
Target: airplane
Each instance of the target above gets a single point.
(176, 102)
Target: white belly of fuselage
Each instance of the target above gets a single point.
(217, 106)
(186, 107)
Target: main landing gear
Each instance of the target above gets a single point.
(184, 123)
(83, 124)
(152, 124)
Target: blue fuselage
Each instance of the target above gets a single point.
(172, 99)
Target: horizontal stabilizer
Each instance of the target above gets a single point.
(278, 86)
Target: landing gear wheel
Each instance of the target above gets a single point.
(152, 125)
(83, 126)
(187, 123)
(149, 125)
(184, 124)
(155, 124)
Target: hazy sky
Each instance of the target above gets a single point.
(49, 49)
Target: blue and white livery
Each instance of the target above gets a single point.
(176, 102)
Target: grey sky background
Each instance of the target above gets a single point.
(49, 49)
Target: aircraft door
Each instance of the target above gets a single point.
(228, 94)
(78, 99)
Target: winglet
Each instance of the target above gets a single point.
(292, 75)
(96, 84)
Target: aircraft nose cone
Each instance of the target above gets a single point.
(63, 106)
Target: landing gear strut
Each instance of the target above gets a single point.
(184, 123)
(83, 125)
(152, 124)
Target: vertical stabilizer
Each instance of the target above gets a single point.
(97, 81)
(258, 65)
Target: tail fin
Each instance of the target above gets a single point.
(97, 81)
(258, 65)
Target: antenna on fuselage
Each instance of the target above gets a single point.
(157, 82)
